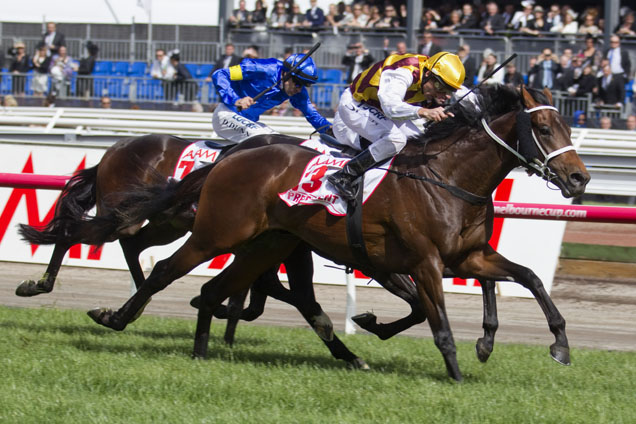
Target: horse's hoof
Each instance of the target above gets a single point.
(197, 356)
(102, 316)
(323, 327)
(28, 288)
(560, 354)
(365, 320)
(195, 302)
(359, 364)
(483, 351)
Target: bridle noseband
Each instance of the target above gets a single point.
(533, 164)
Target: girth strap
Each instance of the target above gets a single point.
(354, 227)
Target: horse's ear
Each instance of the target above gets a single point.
(548, 94)
(526, 97)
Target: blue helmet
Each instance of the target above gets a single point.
(307, 71)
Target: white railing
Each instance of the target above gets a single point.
(610, 155)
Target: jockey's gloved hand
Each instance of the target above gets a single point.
(329, 132)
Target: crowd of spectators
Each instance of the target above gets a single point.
(487, 17)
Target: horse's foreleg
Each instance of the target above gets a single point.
(164, 273)
(234, 309)
(489, 264)
(428, 280)
(401, 286)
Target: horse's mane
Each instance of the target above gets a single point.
(492, 101)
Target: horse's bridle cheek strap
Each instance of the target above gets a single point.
(551, 155)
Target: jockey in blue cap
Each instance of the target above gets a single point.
(236, 118)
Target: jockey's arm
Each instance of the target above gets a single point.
(301, 102)
(247, 70)
(222, 82)
(394, 84)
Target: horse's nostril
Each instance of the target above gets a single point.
(578, 178)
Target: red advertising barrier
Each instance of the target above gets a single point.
(502, 209)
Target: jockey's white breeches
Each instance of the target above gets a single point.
(234, 127)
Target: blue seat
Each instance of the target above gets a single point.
(204, 70)
(149, 89)
(137, 69)
(121, 68)
(103, 67)
(333, 76)
(192, 68)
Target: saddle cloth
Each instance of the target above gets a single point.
(195, 156)
(313, 189)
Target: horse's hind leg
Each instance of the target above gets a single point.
(489, 264)
(45, 284)
(401, 286)
(490, 324)
(234, 309)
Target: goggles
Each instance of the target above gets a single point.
(442, 87)
(300, 82)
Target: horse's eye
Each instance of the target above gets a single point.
(545, 130)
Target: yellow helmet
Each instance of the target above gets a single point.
(448, 67)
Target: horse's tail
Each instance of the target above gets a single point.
(77, 198)
(161, 202)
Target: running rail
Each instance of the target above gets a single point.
(611, 214)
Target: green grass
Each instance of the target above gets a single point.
(598, 252)
(58, 367)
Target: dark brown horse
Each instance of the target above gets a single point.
(149, 160)
(410, 227)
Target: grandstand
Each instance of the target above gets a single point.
(122, 68)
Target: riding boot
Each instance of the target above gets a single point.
(342, 181)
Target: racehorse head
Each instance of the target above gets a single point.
(545, 143)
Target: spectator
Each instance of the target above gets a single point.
(611, 88)
(565, 78)
(569, 25)
(332, 17)
(591, 55)
(469, 20)
(430, 20)
(225, 61)
(586, 83)
(53, 39)
(357, 19)
(314, 17)
(296, 19)
(357, 59)
(374, 17)
(184, 86)
(606, 123)
(279, 16)
(400, 48)
(630, 123)
(545, 70)
(259, 15)
(240, 17)
(589, 26)
(580, 120)
(492, 21)
(402, 15)
(508, 13)
(470, 65)
(618, 58)
(628, 26)
(86, 67)
(522, 18)
(427, 47)
(251, 52)
(41, 64)
(537, 25)
(62, 68)
(554, 16)
(512, 77)
(105, 102)
(454, 23)
(288, 52)
(488, 65)
(390, 18)
(20, 65)
(161, 69)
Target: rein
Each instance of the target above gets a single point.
(536, 166)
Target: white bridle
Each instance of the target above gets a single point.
(541, 167)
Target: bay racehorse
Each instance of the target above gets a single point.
(409, 227)
(135, 162)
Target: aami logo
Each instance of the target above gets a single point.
(501, 194)
(33, 212)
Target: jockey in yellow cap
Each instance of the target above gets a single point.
(383, 100)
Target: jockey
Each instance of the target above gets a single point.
(381, 103)
(236, 118)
